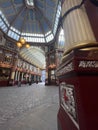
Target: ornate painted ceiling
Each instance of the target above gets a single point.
(34, 20)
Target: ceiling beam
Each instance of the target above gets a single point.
(41, 26)
(16, 16)
(47, 21)
(24, 21)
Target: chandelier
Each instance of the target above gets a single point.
(22, 43)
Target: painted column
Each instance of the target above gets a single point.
(16, 76)
(35, 78)
(22, 76)
(77, 28)
(29, 77)
(13, 74)
(78, 72)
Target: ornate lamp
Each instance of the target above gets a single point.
(22, 43)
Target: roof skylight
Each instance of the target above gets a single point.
(29, 3)
(29, 23)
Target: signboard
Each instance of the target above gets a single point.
(88, 64)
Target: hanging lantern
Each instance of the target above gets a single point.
(19, 44)
(22, 40)
(27, 45)
(22, 43)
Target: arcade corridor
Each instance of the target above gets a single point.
(27, 107)
(48, 65)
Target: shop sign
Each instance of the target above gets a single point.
(88, 64)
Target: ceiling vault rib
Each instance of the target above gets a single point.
(16, 18)
(28, 55)
(24, 21)
(30, 19)
(13, 5)
(41, 27)
(47, 21)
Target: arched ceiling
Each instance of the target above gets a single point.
(34, 55)
(34, 20)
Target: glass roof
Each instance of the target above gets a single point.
(30, 3)
(34, 55)
(34, 20)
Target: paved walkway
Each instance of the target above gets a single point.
(27, 107)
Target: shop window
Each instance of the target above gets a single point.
(4, 74)
(8, 59)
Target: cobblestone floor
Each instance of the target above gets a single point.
(27, 107)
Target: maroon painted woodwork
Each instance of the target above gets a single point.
(4, 83)
(78, 77)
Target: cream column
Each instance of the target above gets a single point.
(13, 75)
(29, 77)
(22, 77)
(77, 28)
(16, 75)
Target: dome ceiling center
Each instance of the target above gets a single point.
(36, 21)
(29, 3)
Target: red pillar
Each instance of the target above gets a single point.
(78, 77)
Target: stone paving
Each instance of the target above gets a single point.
(29, 107)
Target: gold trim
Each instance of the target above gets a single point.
(63, 58)
(81, 45)
(88, 49)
